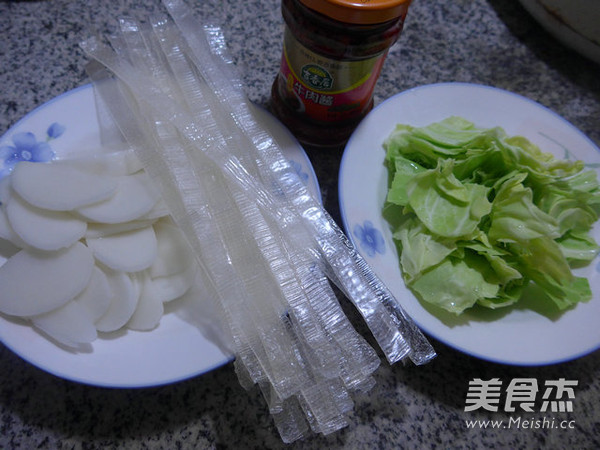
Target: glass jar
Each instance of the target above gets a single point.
(333, 52)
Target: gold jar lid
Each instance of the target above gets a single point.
(360, 12)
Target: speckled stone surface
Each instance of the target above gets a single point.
(491, 42)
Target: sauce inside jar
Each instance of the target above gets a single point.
(333, 52)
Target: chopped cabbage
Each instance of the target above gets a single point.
(478, 215)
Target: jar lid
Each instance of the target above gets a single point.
(361, 12)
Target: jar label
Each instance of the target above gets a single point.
(326, 89)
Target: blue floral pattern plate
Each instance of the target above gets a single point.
(525, 334)
(68, 126)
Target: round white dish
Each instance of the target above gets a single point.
(182, 346)
(572, 22)
(516, 335)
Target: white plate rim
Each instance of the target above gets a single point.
(82, 96)
(380, 117)
(563, 31)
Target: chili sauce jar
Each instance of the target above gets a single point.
(333, 52)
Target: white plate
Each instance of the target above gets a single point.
(574, 23)
(515, 335)
(179, 348)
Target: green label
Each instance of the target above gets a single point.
(316, 77)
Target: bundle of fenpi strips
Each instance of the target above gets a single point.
(267, 249)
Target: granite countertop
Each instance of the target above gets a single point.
(490, 42)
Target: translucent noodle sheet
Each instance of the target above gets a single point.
(266, 248)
